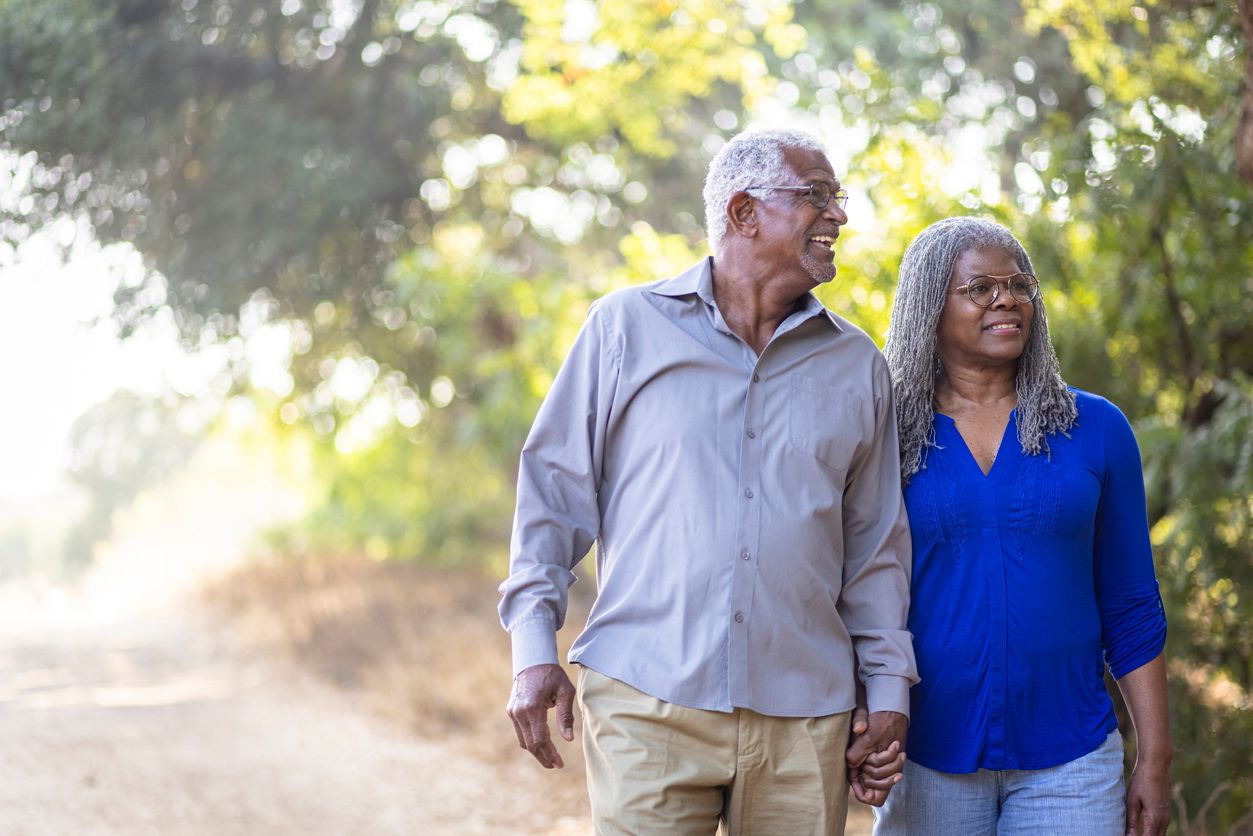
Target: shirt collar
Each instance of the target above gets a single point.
(699, 279)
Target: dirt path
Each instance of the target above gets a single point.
(154, 726)
(114, 727)
(125, 713)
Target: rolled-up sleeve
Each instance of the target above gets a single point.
(1133, 623)
(874, 601)
(557, 518)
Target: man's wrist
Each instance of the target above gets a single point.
(537, 665)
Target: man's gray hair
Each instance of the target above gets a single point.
(1045, 405)
(752, 158)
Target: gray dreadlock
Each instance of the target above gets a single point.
(1045, 405)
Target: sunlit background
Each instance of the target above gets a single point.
(282, 285)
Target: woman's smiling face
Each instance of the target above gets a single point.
(972, 336)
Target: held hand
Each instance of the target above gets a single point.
(535, 690)
(1148, 800)
(877, 754)
(874, 779)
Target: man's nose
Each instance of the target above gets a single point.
(835, 212)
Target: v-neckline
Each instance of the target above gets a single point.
(998, 462)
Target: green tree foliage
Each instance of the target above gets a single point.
(246, 145)
(428, 193)
(1161, 239)
(576, 68)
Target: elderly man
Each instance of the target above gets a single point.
(730, 446)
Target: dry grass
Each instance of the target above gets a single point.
(425, 640)
(420, 646)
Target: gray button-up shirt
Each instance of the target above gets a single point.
(753, 548)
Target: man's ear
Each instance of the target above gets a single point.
(742, 215)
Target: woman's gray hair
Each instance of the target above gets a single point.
(1045, 405)
(752, 158)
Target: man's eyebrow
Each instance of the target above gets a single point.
(825, 178)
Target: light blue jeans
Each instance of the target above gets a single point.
(1084, 797)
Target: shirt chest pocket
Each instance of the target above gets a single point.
(825, 422)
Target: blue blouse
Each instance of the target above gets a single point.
(1027, 582)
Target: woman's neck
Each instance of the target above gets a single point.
(960, 389)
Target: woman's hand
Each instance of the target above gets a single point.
(1148, 795)
(1148, 799)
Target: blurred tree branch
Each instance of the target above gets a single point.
(1244, 131)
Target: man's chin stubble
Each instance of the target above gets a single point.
(821, 272)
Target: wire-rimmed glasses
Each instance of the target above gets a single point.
(818, 194)
(985, 290)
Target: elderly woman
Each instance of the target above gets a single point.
(1032, 564)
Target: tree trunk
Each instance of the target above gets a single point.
(1244, 130)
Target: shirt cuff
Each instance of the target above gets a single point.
(887, 693)
(534, 643)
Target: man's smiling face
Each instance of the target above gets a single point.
(801, 237)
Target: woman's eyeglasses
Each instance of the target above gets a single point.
(985, 290)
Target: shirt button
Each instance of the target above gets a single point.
(739, 618)
(756, 378)
(752, 433)
(748, 492)
(745, 555)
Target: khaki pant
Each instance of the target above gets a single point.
(658, 768)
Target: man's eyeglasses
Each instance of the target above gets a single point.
(818, 194)
(984, 290)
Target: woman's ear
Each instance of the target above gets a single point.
(742, 215)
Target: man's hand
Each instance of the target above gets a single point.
(1148, 800)
(535, 690)
(877, 754)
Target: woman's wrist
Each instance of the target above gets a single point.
(1157, 756)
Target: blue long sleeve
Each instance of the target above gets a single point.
(1133, 623)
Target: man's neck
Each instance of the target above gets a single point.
(753, 303)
